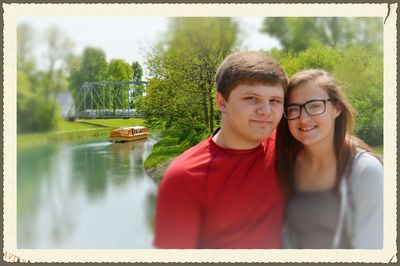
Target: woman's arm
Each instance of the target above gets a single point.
(366, 186)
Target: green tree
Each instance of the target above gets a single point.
(35, 111)
(92, 67)
(360, 73)
(25, 43)
(296, 34)
(137, 77)
(59, 48)
(316, 56)
(118, 71)
(185, 65)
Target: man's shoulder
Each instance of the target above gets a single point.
(192, 162)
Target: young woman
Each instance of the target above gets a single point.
(334, 180)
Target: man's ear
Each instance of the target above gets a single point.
(221, 102)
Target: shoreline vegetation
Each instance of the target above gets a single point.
(163, 153)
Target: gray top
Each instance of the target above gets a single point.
(359, 221)
(313, 217)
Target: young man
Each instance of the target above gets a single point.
(224, 192)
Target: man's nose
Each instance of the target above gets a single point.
(264, 108)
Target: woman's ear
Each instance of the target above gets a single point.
(338, 109)
(221, 102)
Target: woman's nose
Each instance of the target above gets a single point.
(303, 114)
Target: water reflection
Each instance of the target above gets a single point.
(85, 195)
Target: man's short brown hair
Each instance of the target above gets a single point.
(248, 67)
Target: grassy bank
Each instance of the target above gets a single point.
(165, 150)
(113, 123)
(78, 130)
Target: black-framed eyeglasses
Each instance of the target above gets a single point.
(313, 107)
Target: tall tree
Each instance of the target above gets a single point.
(93, 67)
(137, 77)
(119, 71)
(35, 111)
(25, 43)
(185, 65)
(296, 34)
(59, 48)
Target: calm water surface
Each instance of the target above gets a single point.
(85, 195)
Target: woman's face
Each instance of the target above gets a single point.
(318, 124)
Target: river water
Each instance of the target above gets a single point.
(92, 194)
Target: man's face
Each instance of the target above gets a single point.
(250, 114)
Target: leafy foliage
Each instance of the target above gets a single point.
(137, 76)
(361, 76)
(118, 70)
(180, 97)
(92, 66)
(36, 109)
(296, 34)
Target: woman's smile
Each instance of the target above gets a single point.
(307, 129)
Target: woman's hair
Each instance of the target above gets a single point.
(287, 147)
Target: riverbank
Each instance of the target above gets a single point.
(165, 151)
(78, 130)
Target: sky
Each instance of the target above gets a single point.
(128, 38)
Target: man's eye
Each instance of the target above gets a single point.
(251, 98)
(276, 101)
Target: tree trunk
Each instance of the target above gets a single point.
(211, 104)
(205, 104)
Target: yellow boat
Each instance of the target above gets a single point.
(129, 133)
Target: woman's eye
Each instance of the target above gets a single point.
(314, 106)
(292, 109)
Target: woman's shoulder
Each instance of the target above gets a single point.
(364, 160)
(366, 169)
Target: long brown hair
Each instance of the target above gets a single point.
(287, 147)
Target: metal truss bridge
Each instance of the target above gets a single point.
(107, 100)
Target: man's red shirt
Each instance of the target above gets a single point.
(211, 197)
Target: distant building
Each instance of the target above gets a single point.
(66, 102)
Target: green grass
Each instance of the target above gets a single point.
(165, 151)
(114, 123)
(70, 126)
(378, 149)
(32, 139)
(162, 150)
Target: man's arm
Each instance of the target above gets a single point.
(178, 212)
